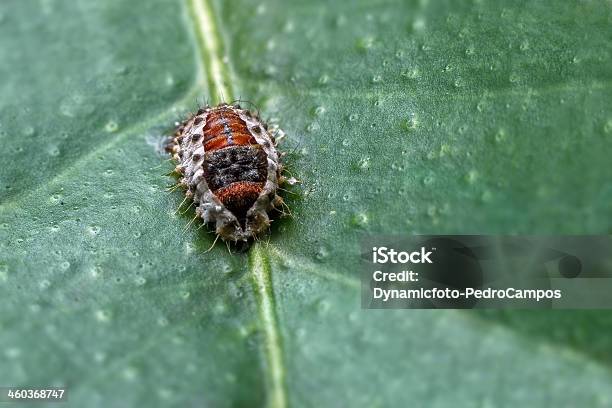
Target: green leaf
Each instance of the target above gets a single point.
(401, 117)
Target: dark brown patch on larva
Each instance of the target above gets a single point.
(233, 164)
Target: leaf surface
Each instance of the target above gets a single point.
(401, 117)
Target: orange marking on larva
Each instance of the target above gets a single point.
(220, 142)
(225, 128)
(239, 196)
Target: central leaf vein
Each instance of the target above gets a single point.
(219, 79)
